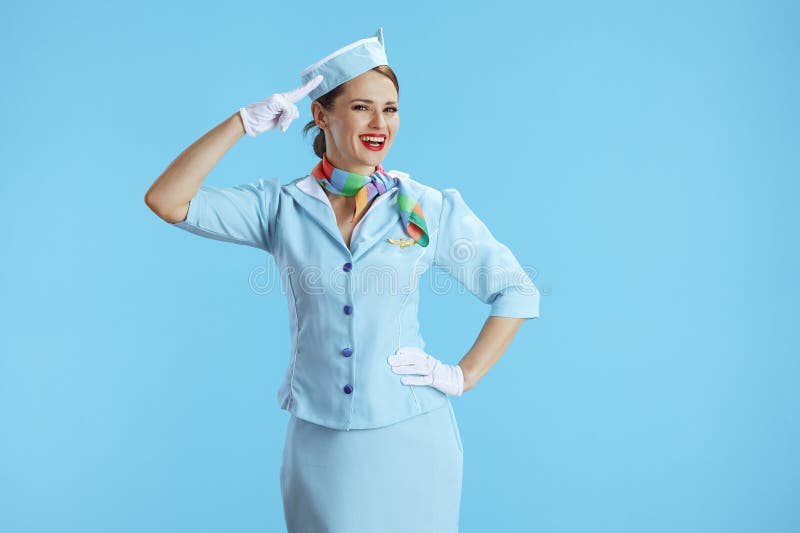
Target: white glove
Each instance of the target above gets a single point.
(277, 109)
(412, 360)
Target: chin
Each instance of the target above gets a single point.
(373, 158)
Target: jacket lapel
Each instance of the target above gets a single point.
(379, 219)
(375, 223)
(312, 198)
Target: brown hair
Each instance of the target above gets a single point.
(327, 101)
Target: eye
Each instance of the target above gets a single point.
(360, 106)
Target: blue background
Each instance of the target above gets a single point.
(640, 156)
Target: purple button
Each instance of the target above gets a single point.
(347, 267)
(347, 352)
(348, 389)
(348, 309)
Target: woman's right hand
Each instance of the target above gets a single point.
(278, 109)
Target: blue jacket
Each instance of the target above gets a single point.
(349, 309)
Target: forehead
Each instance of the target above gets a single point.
(371, 85)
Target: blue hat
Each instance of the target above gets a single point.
(346, 63)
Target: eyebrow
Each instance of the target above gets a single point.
(369, 101)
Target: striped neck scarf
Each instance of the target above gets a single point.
(364, 188)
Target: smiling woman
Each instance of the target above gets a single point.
(372, 443)
(363, 109)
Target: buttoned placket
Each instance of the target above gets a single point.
(346, 351)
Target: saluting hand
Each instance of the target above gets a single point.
(275, 110)
(412, 360)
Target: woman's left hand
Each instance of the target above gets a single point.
(412, 360)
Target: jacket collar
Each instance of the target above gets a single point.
(380, 215)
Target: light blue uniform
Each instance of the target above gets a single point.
(349, 309)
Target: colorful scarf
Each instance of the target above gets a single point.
(364, 188)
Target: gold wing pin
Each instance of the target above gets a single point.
(402, 242)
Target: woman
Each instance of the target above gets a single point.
(372, 442)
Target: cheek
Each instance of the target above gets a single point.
(355, 127)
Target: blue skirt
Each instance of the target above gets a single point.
(402, 477)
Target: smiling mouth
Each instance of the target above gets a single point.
(373, 142)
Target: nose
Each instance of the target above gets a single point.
(378, 121)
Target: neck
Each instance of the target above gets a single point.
(364, 170)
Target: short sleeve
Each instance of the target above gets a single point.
(467, 250)
(242, 214)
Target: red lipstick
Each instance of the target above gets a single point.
(374, 148)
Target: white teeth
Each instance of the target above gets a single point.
(371, 138)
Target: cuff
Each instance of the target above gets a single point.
(193, 214)
(517, 302)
